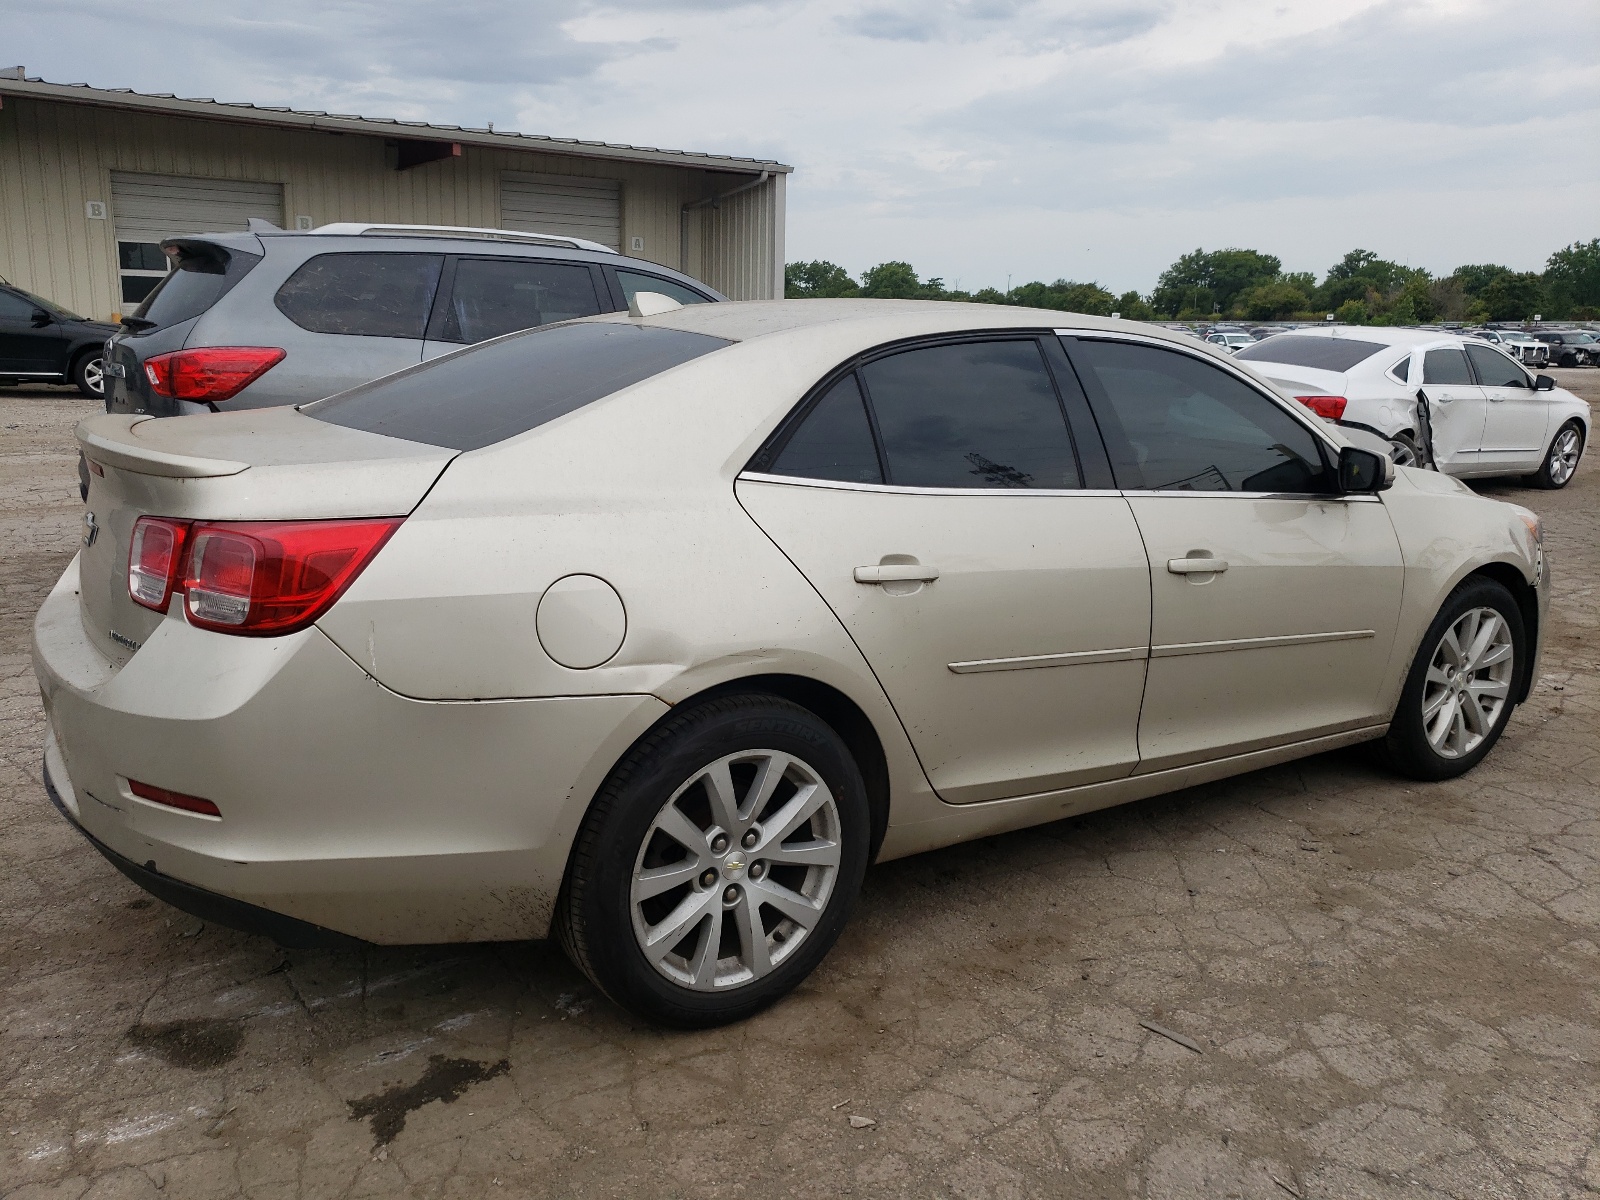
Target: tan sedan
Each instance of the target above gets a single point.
(655, 631)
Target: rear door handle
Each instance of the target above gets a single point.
(897, 573)
(1196, 566)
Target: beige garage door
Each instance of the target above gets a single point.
(568, 205)
(147, 208)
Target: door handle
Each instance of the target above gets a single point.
(897, 573)
(1196, 566)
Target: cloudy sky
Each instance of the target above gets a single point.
(977, 139)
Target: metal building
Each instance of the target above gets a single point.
(92, 179)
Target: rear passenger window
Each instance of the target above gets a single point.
(1175, 423)
(1402, 369)
(834, 441)
(1445, 366)
(972, 415)
(635, 281)
(373, 294)
(494, 296)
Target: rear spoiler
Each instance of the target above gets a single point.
(108, 440)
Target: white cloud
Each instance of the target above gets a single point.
(974, 138)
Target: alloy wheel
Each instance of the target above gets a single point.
(735, 870)
(1564, 456)
(1403, 454)
(94, 375)
(1468, 683)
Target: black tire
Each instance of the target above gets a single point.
(594, 913)
(89, 374)
(1555, 473)
(1410, 453)
(1407, 748)
(1568, 360)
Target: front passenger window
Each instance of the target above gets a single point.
(1495, 369)
(1174, 423)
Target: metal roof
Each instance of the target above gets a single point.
(206, 108)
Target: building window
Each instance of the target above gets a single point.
(141, 266)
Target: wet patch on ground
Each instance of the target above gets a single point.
(198, 1044)
(445, 1080)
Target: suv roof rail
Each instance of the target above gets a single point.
(362, 229)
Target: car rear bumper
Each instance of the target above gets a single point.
(345, 807)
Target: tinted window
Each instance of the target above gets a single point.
(377, 294)
(15, 308)
(1401, 370)
(976, 415)
(494, 296)
(834, 441)
(1322, 353)
(1445, 366)
(485, 394)
(1172, 422)
(1495, 369)
(634, 281)
(202, 275)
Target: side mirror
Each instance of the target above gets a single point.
(1362, 471)
(1543, 383)
(41, 318)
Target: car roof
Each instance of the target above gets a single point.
(744, 320)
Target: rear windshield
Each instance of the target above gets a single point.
(1324, 354)
(201, 275)
(496, 390)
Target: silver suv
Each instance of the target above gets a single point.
(271, 317)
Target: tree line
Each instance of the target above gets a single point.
(1360, 289)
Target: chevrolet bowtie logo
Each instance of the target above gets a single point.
(91, 529)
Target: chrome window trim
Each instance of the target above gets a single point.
(1305, 416)
(840, 485)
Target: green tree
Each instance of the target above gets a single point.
(1515, 296)
(1269, 301)
(808, 280)
(989, 295)
(1351, 312)
(1133, 307)
(1572, 278)
(898, 281)
(1226, 274)
(1474, 277)
(1362, 275)
(1065, 295)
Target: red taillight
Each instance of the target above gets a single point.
(209, 373)
(157, 795)
(155, 558)
(265, 578)
(1331, 407)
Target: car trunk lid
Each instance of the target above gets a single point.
(260, 465)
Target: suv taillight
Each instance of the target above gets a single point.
(1331, 407)
(209, 373)
(258, 578)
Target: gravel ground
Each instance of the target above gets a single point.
(1391, 988)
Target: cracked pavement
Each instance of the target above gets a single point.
(1392, 986)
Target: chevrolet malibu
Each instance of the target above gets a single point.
(654, 631)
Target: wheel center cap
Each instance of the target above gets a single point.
(733, 866)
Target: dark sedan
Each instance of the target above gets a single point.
(41, 342)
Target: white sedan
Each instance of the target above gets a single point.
(1454, 403)
(656, 631)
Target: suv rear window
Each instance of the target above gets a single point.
(1320, 353)
(490, 392)
(201, 275)
(370, 294)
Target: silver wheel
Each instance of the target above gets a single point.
(1564, 453)
(1468, 683)
(94, 375)
(736, 870)
(1405, 452)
